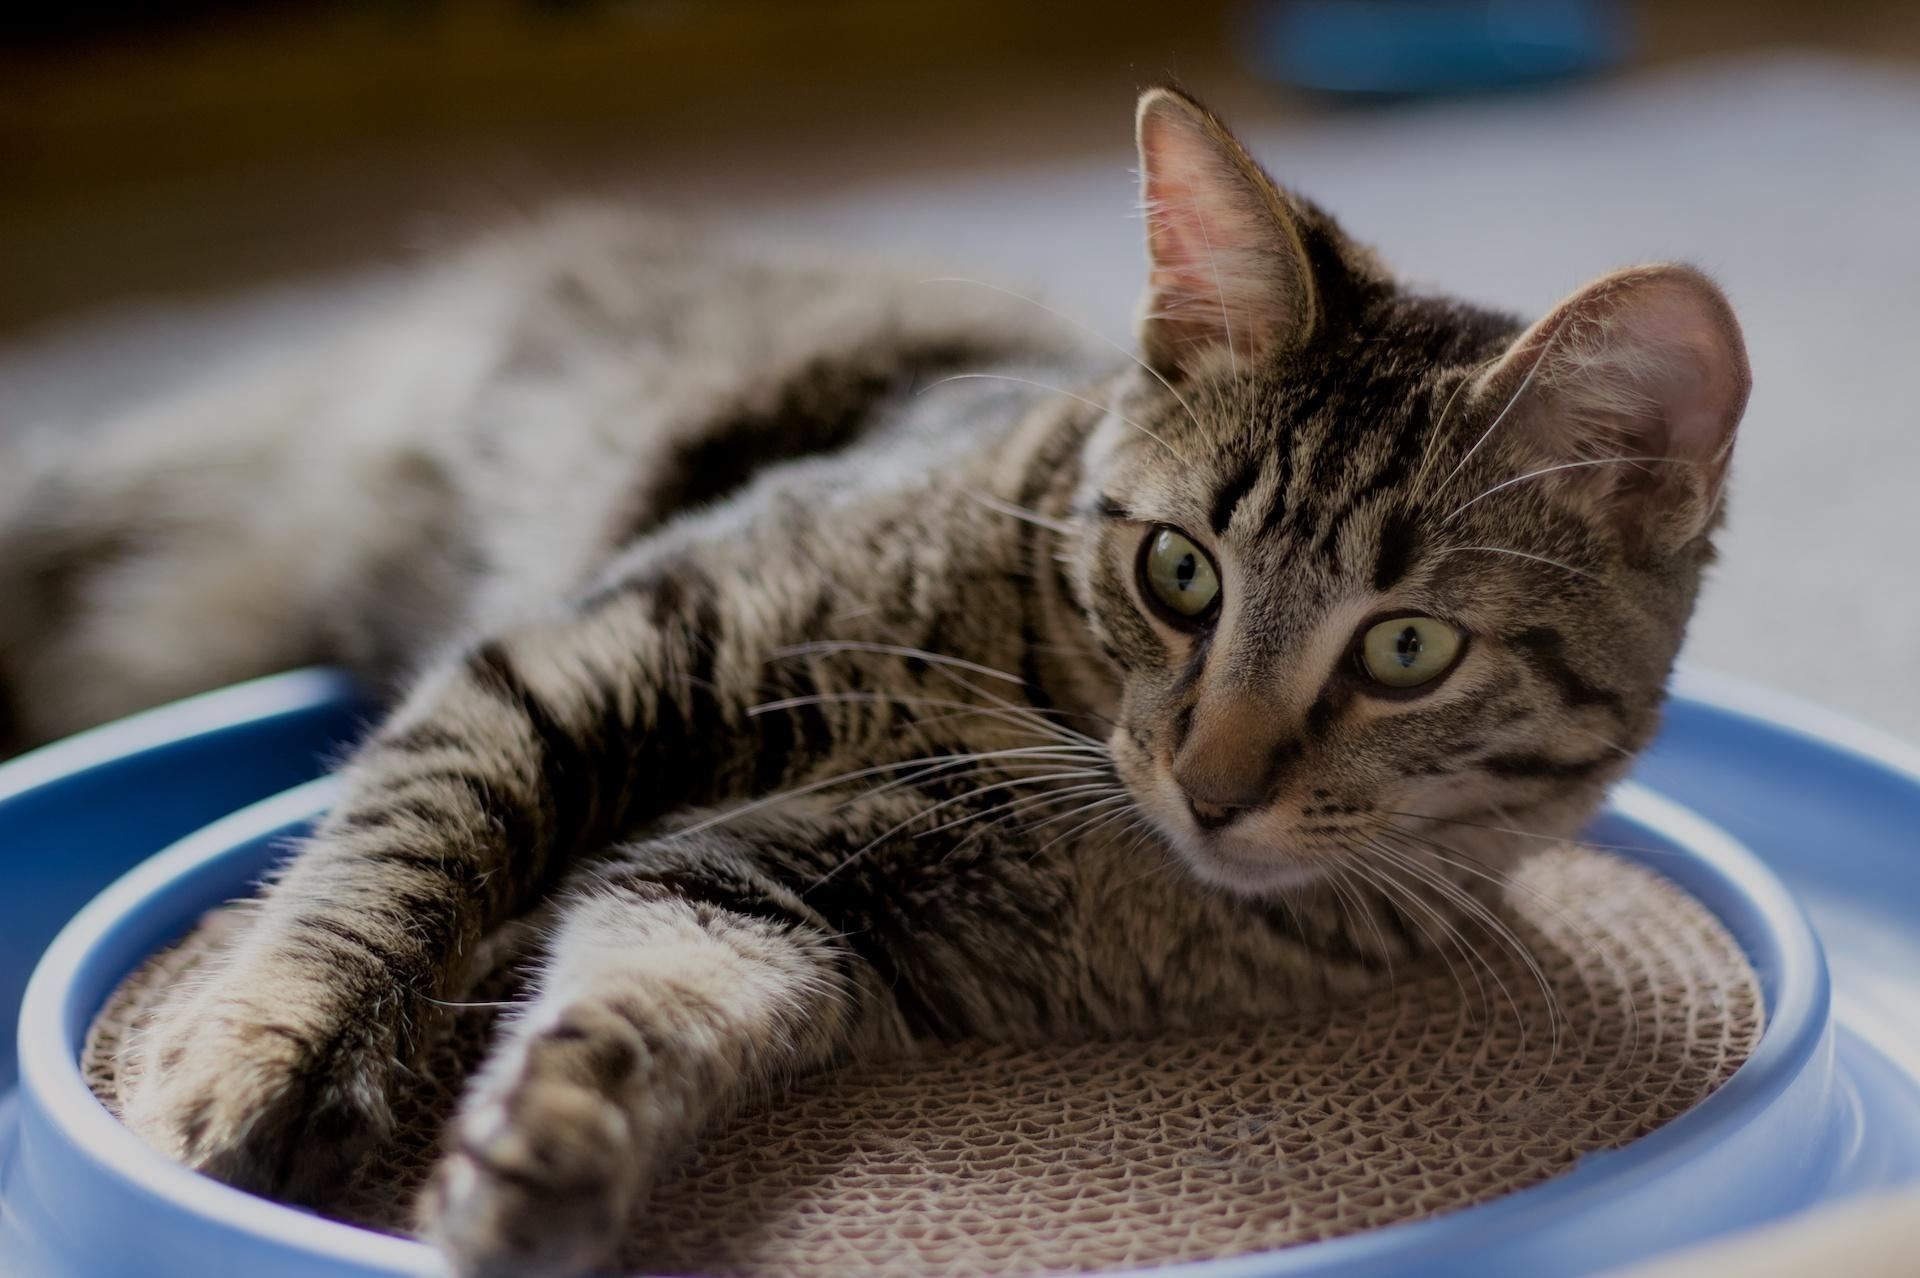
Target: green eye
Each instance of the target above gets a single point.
(1405, 652)
(1178, 575)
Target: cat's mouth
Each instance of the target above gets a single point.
(1251, 855)
(1243, 867)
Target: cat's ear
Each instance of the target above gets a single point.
(1633, 388)
(1228, 268)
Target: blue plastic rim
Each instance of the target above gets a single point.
(1814, 1114)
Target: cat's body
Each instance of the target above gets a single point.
(474, 456)
(794, 628)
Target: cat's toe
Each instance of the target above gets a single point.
(260, 1098)
(537, 1186)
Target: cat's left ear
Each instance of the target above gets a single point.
(1631, 389)
(1229, 268)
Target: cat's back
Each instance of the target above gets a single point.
(627, 368)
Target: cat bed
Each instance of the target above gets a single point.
(1449, 1086)
(978, 1155)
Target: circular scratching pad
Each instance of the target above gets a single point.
(1451, 1084)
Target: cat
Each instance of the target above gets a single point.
(853, 663)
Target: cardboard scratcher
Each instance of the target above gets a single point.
(1446, 1087)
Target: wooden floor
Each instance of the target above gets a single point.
(254, 149)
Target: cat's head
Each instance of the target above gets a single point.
(1369, 560)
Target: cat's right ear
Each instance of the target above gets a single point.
(1228, 268)
(1627, 396)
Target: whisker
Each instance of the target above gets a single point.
(1095, 806)
(1219, 289)
(1088, 329)
(925, 812)
(1059, 390)
(1338, 881)
(1548, 470)
(1591, 735)
(931, 765)
(1496, 930)
(1388, 885)
(1471, 912)
(1539, 362)
(824, 646)
(1526, 834)
(1065, 737)
(1520, 554)
(1033, 517)
(1580, 925)
(1013, 806)
(1438, 432)
(947, 665)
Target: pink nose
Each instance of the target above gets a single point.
(1224, 783)
(1213, 816)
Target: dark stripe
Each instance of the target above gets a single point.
(1274, 524)
(1195, 666)
(1232, 493)
(710, 888)
(1334, 944)
(1064, 585)
(1280, 514)
(1054, 463)
(1543, 649)
(821, 407)
(565, 768)
(1281, 758)
(517, 827)
(1182, 727)
(1402, 926)
(421, 738)
(861, 923)
(1540, 767)
(1399, 541)
(383, 964)
(1322, 713)
(1407, 445)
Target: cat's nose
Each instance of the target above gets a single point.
(1216, 800)
(1223, 783)
(1212, 816)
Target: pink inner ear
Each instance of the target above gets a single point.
(1223, 271)
(1701, 383)
(1649, 364)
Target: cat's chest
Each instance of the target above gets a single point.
(1173, 950)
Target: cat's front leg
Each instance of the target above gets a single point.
(686, 973)
(273, 1074)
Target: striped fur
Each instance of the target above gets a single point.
(815, 694)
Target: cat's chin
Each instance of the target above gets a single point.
(1243, 870)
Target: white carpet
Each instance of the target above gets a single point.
(1796, 182)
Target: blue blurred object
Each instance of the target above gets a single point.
(1431, 48)
(1828, 1105)
(78, 813)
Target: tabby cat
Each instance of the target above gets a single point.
(852, 662)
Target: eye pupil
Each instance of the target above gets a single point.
(1178, 576)
(1406, 652)
(1407, 647)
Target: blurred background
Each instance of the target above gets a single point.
(186, 185)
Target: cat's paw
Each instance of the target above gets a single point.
(279, 1099)
(538, 1184)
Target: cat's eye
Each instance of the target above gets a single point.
(1179, 577)
(1405, 652)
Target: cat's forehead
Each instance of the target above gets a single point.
(1242, 456)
